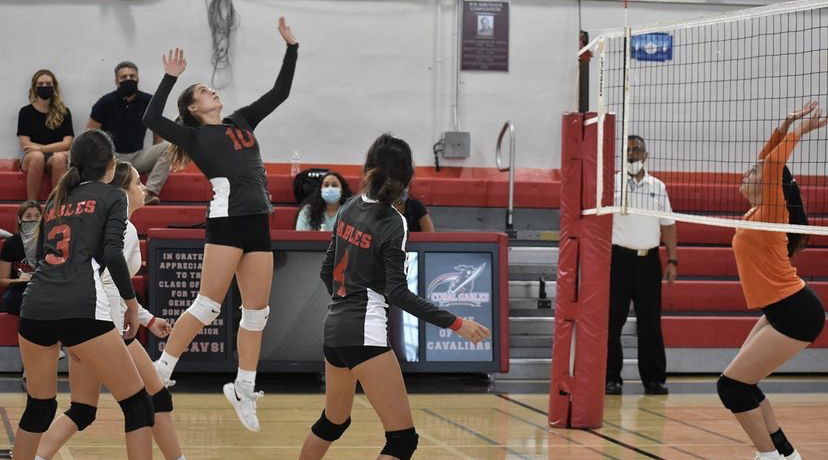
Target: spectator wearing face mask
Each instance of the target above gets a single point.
(19, 256)
(415, 213)
(44, 128)
(318, 211)
(120, 114)
(636, 272)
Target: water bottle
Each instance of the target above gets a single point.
(294, 163)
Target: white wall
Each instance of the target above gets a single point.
(365, 67)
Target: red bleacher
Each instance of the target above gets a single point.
(707, 292)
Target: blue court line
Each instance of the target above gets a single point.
(474, 433)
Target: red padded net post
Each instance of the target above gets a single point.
(579, 356)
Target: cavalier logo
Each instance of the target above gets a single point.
(457, 288)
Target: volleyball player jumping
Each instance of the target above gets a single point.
(84, 385)
(65, 302)
(364, 271)
(793, 314)
(238, 228)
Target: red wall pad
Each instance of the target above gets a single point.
(576, 393)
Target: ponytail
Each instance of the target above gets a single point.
(179, 158)
(388, 169)
(60, 194)
(90, 157)
(796, 212)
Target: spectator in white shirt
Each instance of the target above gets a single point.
(636, 271)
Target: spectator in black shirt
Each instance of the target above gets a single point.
(44, 129)
(18, 256)
(119, 113)
(415, 213)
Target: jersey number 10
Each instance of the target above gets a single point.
(241, 138)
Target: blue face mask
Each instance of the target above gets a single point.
(331, 195)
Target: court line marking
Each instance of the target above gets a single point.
(690, 425)
(547, 430)
(657, 441)
(7, 425)
(64, 453)
(474, 433)
(590, 431)
(443, 445)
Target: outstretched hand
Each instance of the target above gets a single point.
(798, 115)
(815, 121)
(287, 34)
(174, 62)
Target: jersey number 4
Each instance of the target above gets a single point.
(241, 138)
(339, 275)
(65, 234)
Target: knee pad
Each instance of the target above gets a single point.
(254, 320)
(757, 393)
(38, 415)
(735, 395)
(401, 444)
(328, 430)
(138, 411)
(204, 309)
(162, 401)
(82, 414)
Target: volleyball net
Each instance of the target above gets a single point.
(703, 101)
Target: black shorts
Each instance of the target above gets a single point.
(799, 316)
(46, 158)
(69, 332)
(248, 233)
(351, 357)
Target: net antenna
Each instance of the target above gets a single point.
(222, 19)
(706, 94)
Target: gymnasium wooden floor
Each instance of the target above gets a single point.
(460, 426)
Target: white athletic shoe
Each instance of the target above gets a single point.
(768, 456)
(793, 456)
(245, 405)
(167, 382)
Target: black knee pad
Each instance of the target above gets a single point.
(138, 411)
(328, 430)
(735, 395)
(82, 414)
(38, 415)
(162, 401)
(757, 393)
(401, 444)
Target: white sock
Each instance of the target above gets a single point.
(38, 457)
(246, 377)
(166, 365)
(181, 458)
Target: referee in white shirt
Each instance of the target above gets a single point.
(636, 272)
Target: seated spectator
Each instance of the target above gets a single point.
(318, 211)
(415, 213)
(44, 129)
(120, 114)
(18, 256)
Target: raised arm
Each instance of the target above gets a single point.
(265, 105)
(180, 135)
(780, 132)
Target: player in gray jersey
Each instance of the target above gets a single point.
(364, 271)
(238, 229)
(83, 234)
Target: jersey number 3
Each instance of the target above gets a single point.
(339, 275)
(65, 233)
(241, 139)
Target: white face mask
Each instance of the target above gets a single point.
(635, 167)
